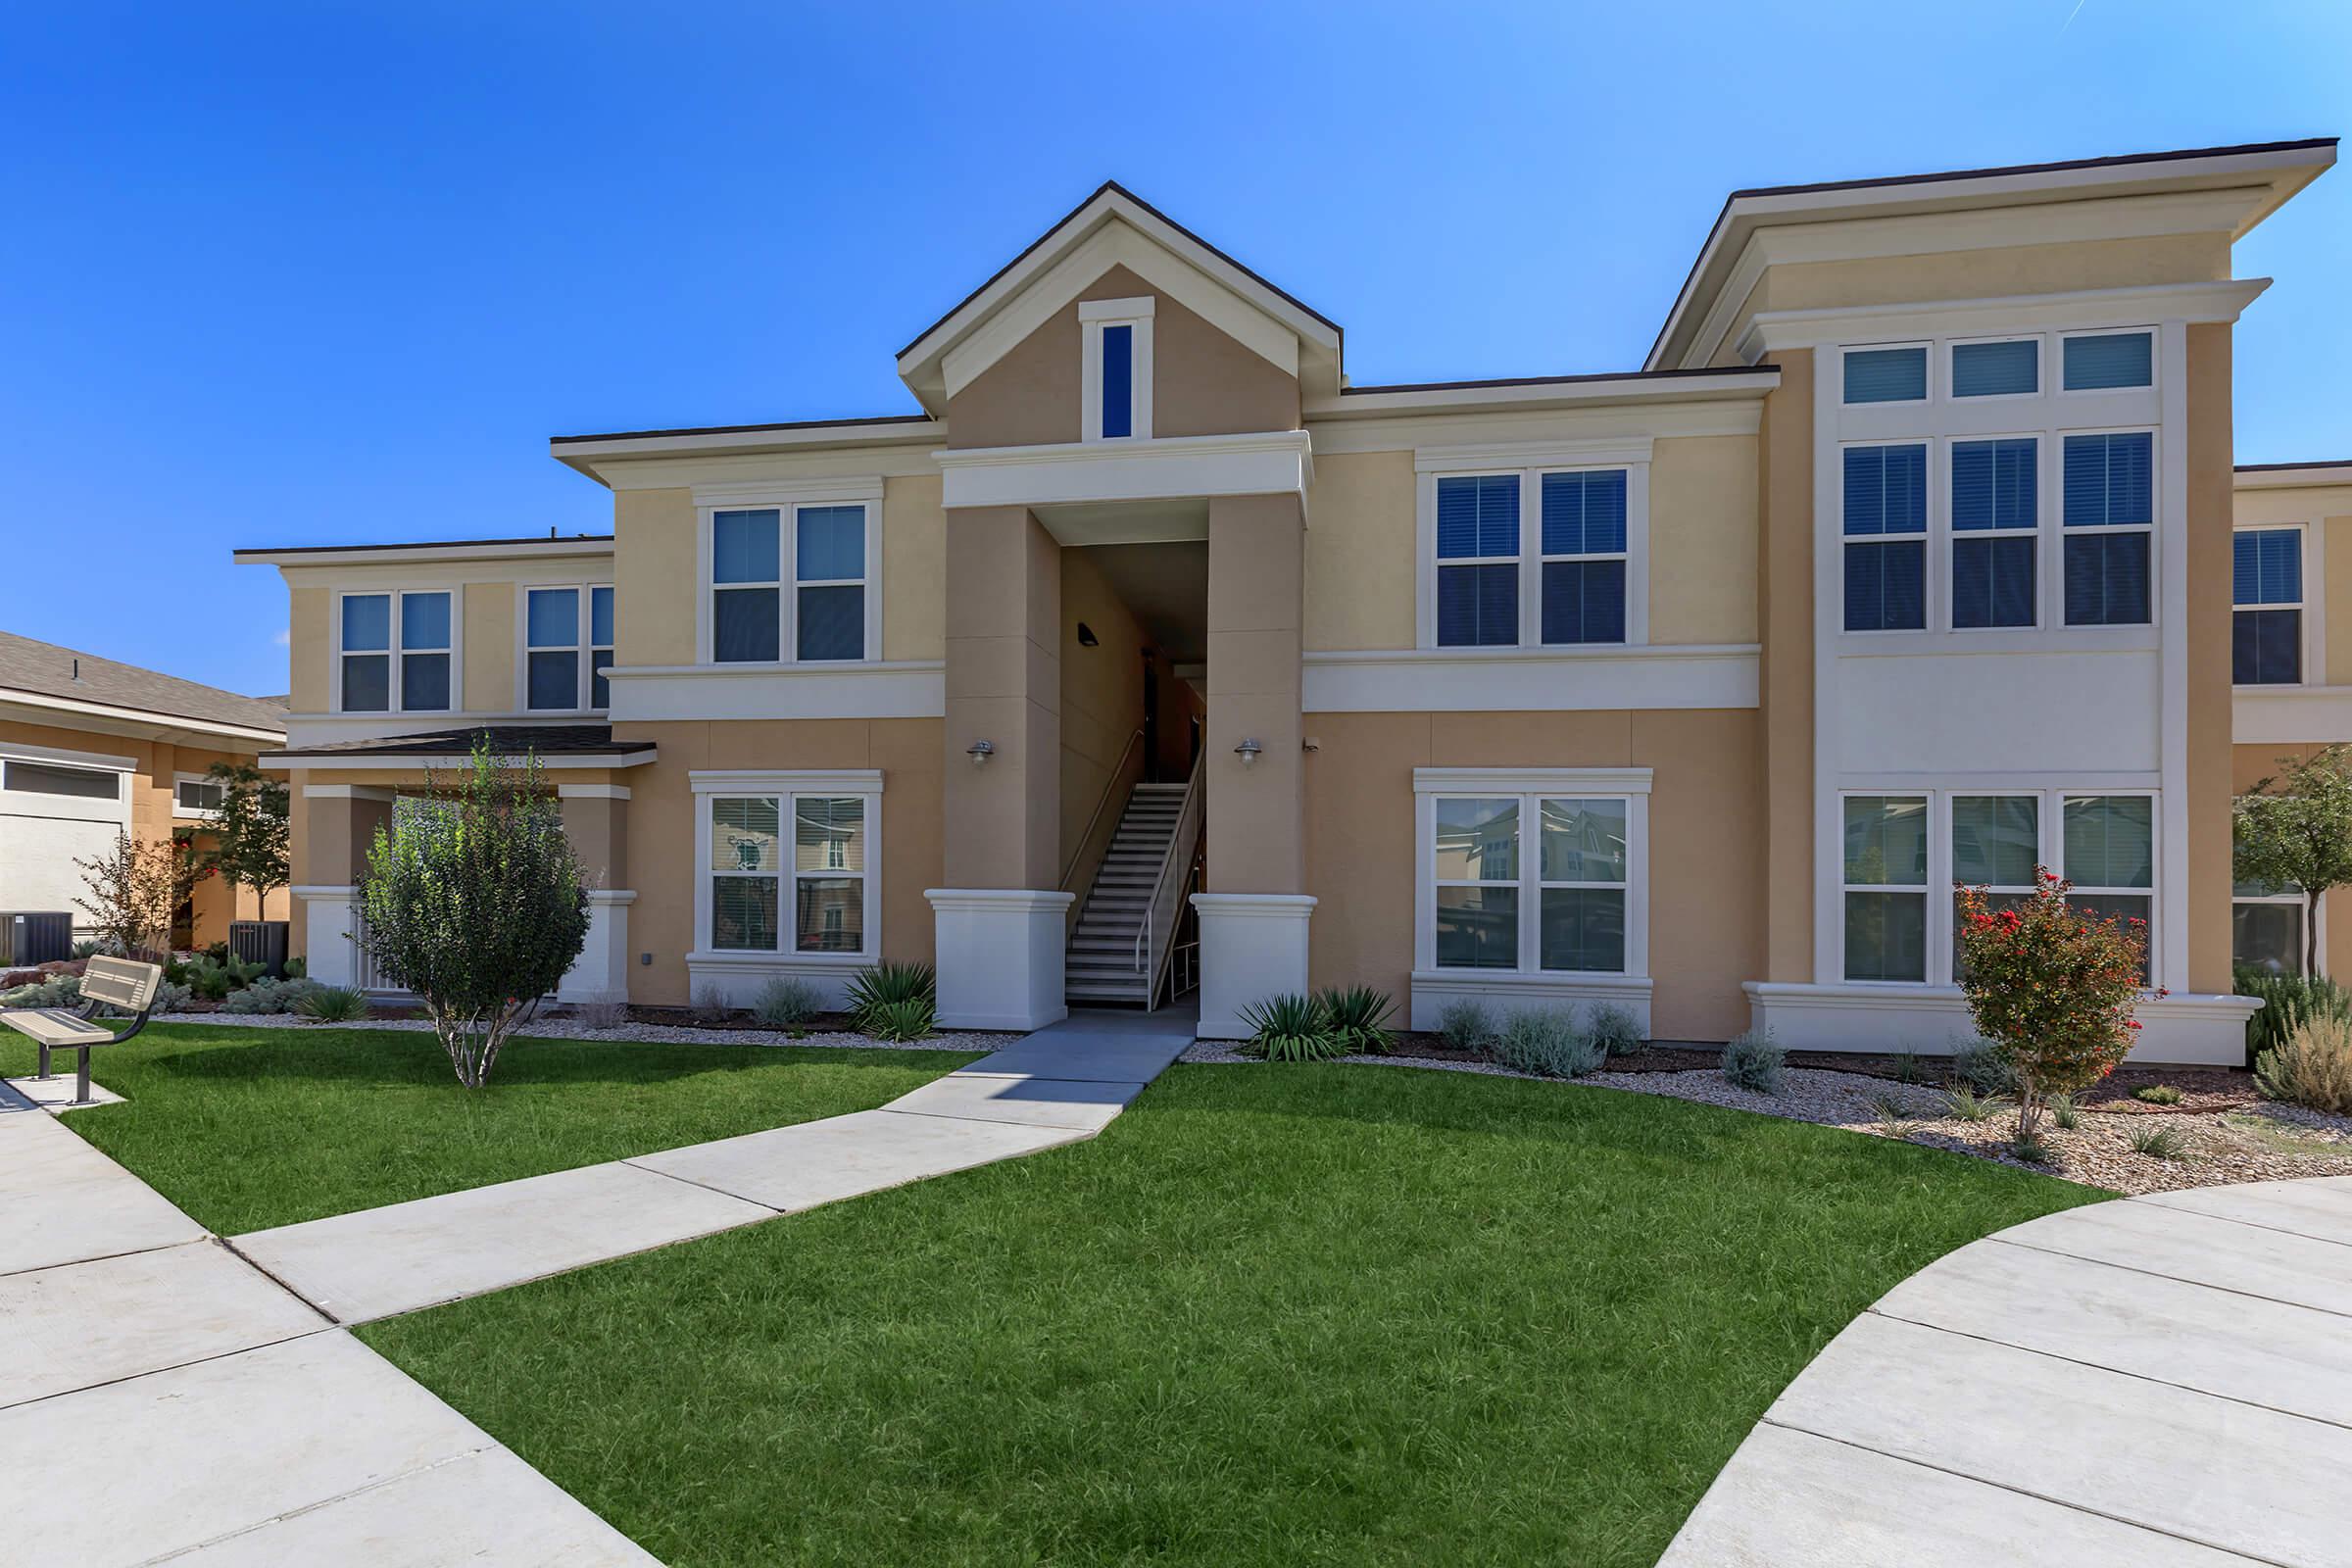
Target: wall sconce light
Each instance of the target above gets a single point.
(980, 752)
(1086, 637)
(1248, 751)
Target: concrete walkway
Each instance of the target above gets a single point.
(2161, 1381)
(161, 1398)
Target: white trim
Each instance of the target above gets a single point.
(1600, 452)
(199, 813)
(153, 725)
(1550, 782)
(769, 781)
(1530, 462)
(1575, 678)
(2303, 477)
(1433, 990)
(1139, 308)
(787, 500)
(2167, 556)
(1268, 463)
(1898, 324)
(348, 792)
(585, 647)
(279, 762)
(406, 558)
(1933, 1020)
(23, 752)
(2290, 715)
(394, 650)
(740, 495)
(593, 792)
(1728, 403)
(865, 785)
(2311, 568)
(1095, 318)
(885, 689)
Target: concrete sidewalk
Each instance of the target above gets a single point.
(2165, 1379)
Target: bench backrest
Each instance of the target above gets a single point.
(121, 983)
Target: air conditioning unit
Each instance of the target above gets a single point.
(34, 936)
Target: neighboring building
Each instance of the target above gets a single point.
(1692, 688)
(89, 748)
(2291, 575)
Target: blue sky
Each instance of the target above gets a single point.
(334, 273)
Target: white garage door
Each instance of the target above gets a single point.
(54, 812)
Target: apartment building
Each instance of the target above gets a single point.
(1153, 652)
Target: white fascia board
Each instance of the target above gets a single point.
(897, 689)
(413, 555)
(345, 762)
(1532, 454)
(1639, 422)
(1273, 463)
(2315, 476)
(778, 781)
(1773, 330)
(2290, 715)
(148, 719)
(1531, 681)
(1744, 385)
(1531, 780)
(604, 457)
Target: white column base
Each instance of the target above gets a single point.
(1000, 956)
(1253, 946)
(2184, 1030)
(601, 973)
(330, 955)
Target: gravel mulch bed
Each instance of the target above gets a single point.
(638, 1033)
(2228, 1133)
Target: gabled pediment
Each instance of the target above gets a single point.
(1112, 229)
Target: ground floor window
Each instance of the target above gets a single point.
(788, 863)
(2265, 928)
(1532, 871)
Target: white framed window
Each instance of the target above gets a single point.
(2269, 633)
(2107, 360)
(2108, 851)
(2265, 928)
(37, 775)
(395, 651)
(1534, 546)
(1884, 372)
(793, 580)
(1115, 369)
(1996, 845)
(1995, 367)
(1533, 872)
(197, 794)
(1884, 492)
(566, 647)
(1885, 856)
(2107, 524)
(789, 865)
(1994, 516)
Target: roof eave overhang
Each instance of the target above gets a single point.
(2292, 475)
(380, 555)
(449, 760)
(67, 712)
(1742, 384)
(589, 454)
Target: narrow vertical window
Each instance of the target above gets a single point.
(600, 652)
(829, 868)
(1584, 556)
(746, 616)
(746, 869)
(1477, 880)
(1118, 380)
(1993, 541)
(2111, 858)
(2265, 928)
(1996, 844)
(1478, 560)
(1886, 532)
(552, 662)
(1887, 887)
(2109, 503)
(424, 650)
(829, 575)
(2266, 642)
(1581, 878)
(366, 653)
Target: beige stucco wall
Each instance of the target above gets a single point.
(1360, 550)
(915, 569)
(654, 567)
(1785, 592)
(490, 638)
(1202, 381)
(1003, 685)
(309, 650)
(2250, 765)
(1256, 578)
(1703, 540)
(1707, 847)
(1101, 704)
(2210, 487)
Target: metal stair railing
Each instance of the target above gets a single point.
(1165, 909)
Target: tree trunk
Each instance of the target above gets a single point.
(2311, 934)
(2029, 1109)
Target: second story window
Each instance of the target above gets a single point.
(822, 612)
(2109, 502)
(1993, 531)
(382, 672)
(1887, 375)
(568, 648)
(1116, 370)
(1885, 525)
(1533, 558)
(2102, 362)
(1584, 556)
(1478, 560)
(2266, 642)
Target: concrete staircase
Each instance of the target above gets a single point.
(1100, 962)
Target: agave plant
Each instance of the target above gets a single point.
(908, 1018)
(888, 985)
(1358, 1016)
(1292, 1028)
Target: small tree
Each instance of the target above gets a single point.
(2051, 987)
(476, 904)
(2294, 830)
(252, 832)
(135, 889)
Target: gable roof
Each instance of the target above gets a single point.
(52, 677)
(1081, 245)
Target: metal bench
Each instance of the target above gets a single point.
(116, 983)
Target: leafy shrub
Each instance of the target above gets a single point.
(2158, 1094)
(2052, 987)
(1358, 1017)
(298, 969)
(1466, 1025)
(908, 1018)
(99, 948)
(711, 1004)
(215, 978)
(2157, 1141)
(172, 998)
(1614, 1029)
(2312, 1067)
(1889, 1108)
(2065, 1112)
(1962, 1104)
(787, 1003)
(1907, 1067)
(57, 991)
(332, 1003)
(1754, 1062)
(2287, 1000)
(1290, 1027)
(1546, 1041)
(887, 985)
(1981, 1065)
(267, 996)
(2032, 1151)
(602, 1014)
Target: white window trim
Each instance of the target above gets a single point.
(1529, 461)
(193, 812)
(1093, 317)
(1932, 573)
(1531, 786)
(2049, 550)
(864, 784)
(1932, 383)
(456, 650)
(2050, 828)
(2313, 547)
(2153, 528)
(786, 499)
(2057, 359)
(1951, 377)
(586, 647)
(2315, 919)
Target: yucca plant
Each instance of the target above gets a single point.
(2066, 1112)
(888, 985)
(2159, 1142)
(1358, 1016)
(333, 1005)
(1962, 1104)
(896, 1022)
(1292, 1028)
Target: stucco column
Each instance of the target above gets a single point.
(1254, 915)
(596, 819)
(1785, 584)
(338, 823)
(1001, 915)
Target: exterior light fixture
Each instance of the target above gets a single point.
(1248, 751)
(980, 752)
(1086, 637)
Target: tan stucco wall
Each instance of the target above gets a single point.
(309, 650)
(488, 684)
(1360, 550)
(1784, 591)
(2251, 764)
(1706, 841)
(654, 566)
(1101, 704)
(1256, 579)
(1003, 685)
(915, 569)
(1703, 539)
(1202, 381)
(2210, 487)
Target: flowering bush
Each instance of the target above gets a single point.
(2052, 987)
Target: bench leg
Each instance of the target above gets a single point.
(45, 1073)
(81, 1076)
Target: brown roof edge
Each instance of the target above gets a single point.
(1564, 380)
(747, 430)
(2276, 468)
(1109, 187)
(426, 544)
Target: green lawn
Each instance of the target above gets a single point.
(1273, 1315)
(249, 1128)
